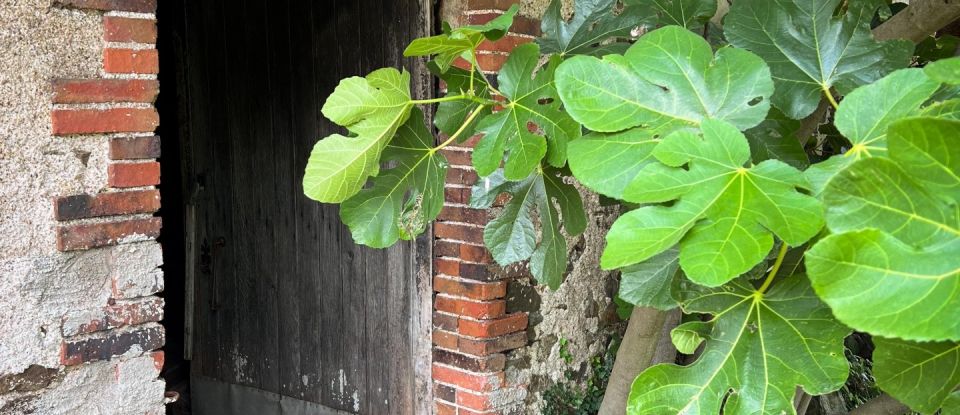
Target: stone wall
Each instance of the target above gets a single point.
(79, 267)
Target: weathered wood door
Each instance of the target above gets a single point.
(289, 316)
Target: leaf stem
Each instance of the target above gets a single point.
(833, 101)
(442, 99)
(776, 268)
(467, 122)
(483, 75)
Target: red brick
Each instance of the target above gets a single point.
(479, 402)
(445, 321)
(124, 29)
(493, 328)
(143, 61)
(446, 339)
(486, 347)
(441, 408)
(114, 120)
(465, 411)
(114, 316)
(446, 249)
(473, 253)
(122, 175)
(462, 177)
(82, 91)
(444, 392)
(110, 344)
(462, 214)
(477, 272)
(138, 6)
(504, 44)
(159, 358)
(485, 61)
(459, 195)
(457, 157)
(133, 148)
(473, 309)
(473, 140)
(480, 382)
(458, 232)
(79, 237)
(492, 363)
(446, 266)
(471, 289)
(106, 204)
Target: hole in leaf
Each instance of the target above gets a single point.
(755, 101)
(545, 101)
(534, 128)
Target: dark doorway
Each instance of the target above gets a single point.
(281, 312)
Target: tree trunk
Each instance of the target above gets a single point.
(645, 343)
(920, 19)
(881, 405)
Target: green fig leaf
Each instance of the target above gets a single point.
(688, 336)
(511, 237)
(811, 50)
(607, 163)
(937, 48)
(775, 139)
(892, 267)
(462, 40)
(668, 79)
(865, 115)
(652, 283)
(532, 103)
(691, 14)
(760, 346)
(920, 375)
(876, 283)
(594, 22)
(724, 214)
(946, 71)
(404, 199)
(372, 109)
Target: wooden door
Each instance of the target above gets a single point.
(289, 315)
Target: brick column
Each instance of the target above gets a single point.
(117, 107)
(472, 328)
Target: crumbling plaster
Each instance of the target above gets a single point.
(41, 43)
(579, 317)
(38, 285)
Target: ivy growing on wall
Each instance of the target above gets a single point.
(701, 133)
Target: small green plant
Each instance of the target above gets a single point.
(564, 350)
(581, 398)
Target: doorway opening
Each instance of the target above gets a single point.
(271, 307)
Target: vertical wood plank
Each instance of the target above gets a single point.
(305, 280)
(330, 64)
(301, 310)
(282, 217)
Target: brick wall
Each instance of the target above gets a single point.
(472, 328)
(91, 283)
(121, 104)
